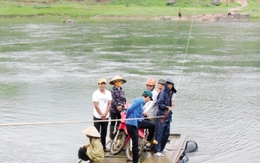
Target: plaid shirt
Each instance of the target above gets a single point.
(118, 98)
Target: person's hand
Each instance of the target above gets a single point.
(169, 108)
(144, 114)
(103, 116)
(86, 146)
(119, 108)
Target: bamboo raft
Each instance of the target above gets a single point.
(175, 149)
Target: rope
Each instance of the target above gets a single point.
(72, 122)
(187, 47)
(184, 59)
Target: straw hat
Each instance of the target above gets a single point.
(102, 80)
(91, 131)
(117, 77)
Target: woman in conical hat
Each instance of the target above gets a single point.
(118, 101)
(94, 150)
(117, 78)
(91, 132)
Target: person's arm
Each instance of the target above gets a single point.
(132, 107)
(108, 108)
(150, 104)
(97, 107)
(173, 103)
(148, 108)
(113, 103)
(108, 105)
(86, 146)
(161, 104)
(96, 103)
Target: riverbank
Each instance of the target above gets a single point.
(88, 10)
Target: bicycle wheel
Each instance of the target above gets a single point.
(118, 143)
(128, 150)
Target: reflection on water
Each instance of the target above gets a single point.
(48, 73)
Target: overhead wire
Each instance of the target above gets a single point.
(187, 47)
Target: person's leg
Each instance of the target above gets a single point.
(118, 116)
(150, 126)
(113, 117)
(155, 129)
(112, 125)
(100, 127)
(159, 135)
(97, 124)
(82, 154)
(133, 133)
(104, 133)
(165, 136)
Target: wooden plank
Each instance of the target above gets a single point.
(181, 148)
(175, 148)
(154, 159)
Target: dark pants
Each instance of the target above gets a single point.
(162, 135)
(133, 133)
(150, 126)
(102, 129)
(115, 116)
(82, 154)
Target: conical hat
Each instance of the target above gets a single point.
(91, 131)
(117, 77)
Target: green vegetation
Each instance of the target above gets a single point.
(253, 9)
(85, 9)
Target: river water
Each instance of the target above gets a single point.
(48, 72)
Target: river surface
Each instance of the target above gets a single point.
(48, 72)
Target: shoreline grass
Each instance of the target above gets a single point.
(86, 9)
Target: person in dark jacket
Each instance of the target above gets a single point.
(165, 104)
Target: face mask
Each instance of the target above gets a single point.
(118, 83)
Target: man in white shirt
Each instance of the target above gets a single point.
(150, 109)
(102, 102)
(150, 85)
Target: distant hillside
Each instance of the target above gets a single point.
(117, 9)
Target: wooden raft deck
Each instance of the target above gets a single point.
(175, 148)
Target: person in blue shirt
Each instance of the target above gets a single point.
(136, 111)
(165, 104)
